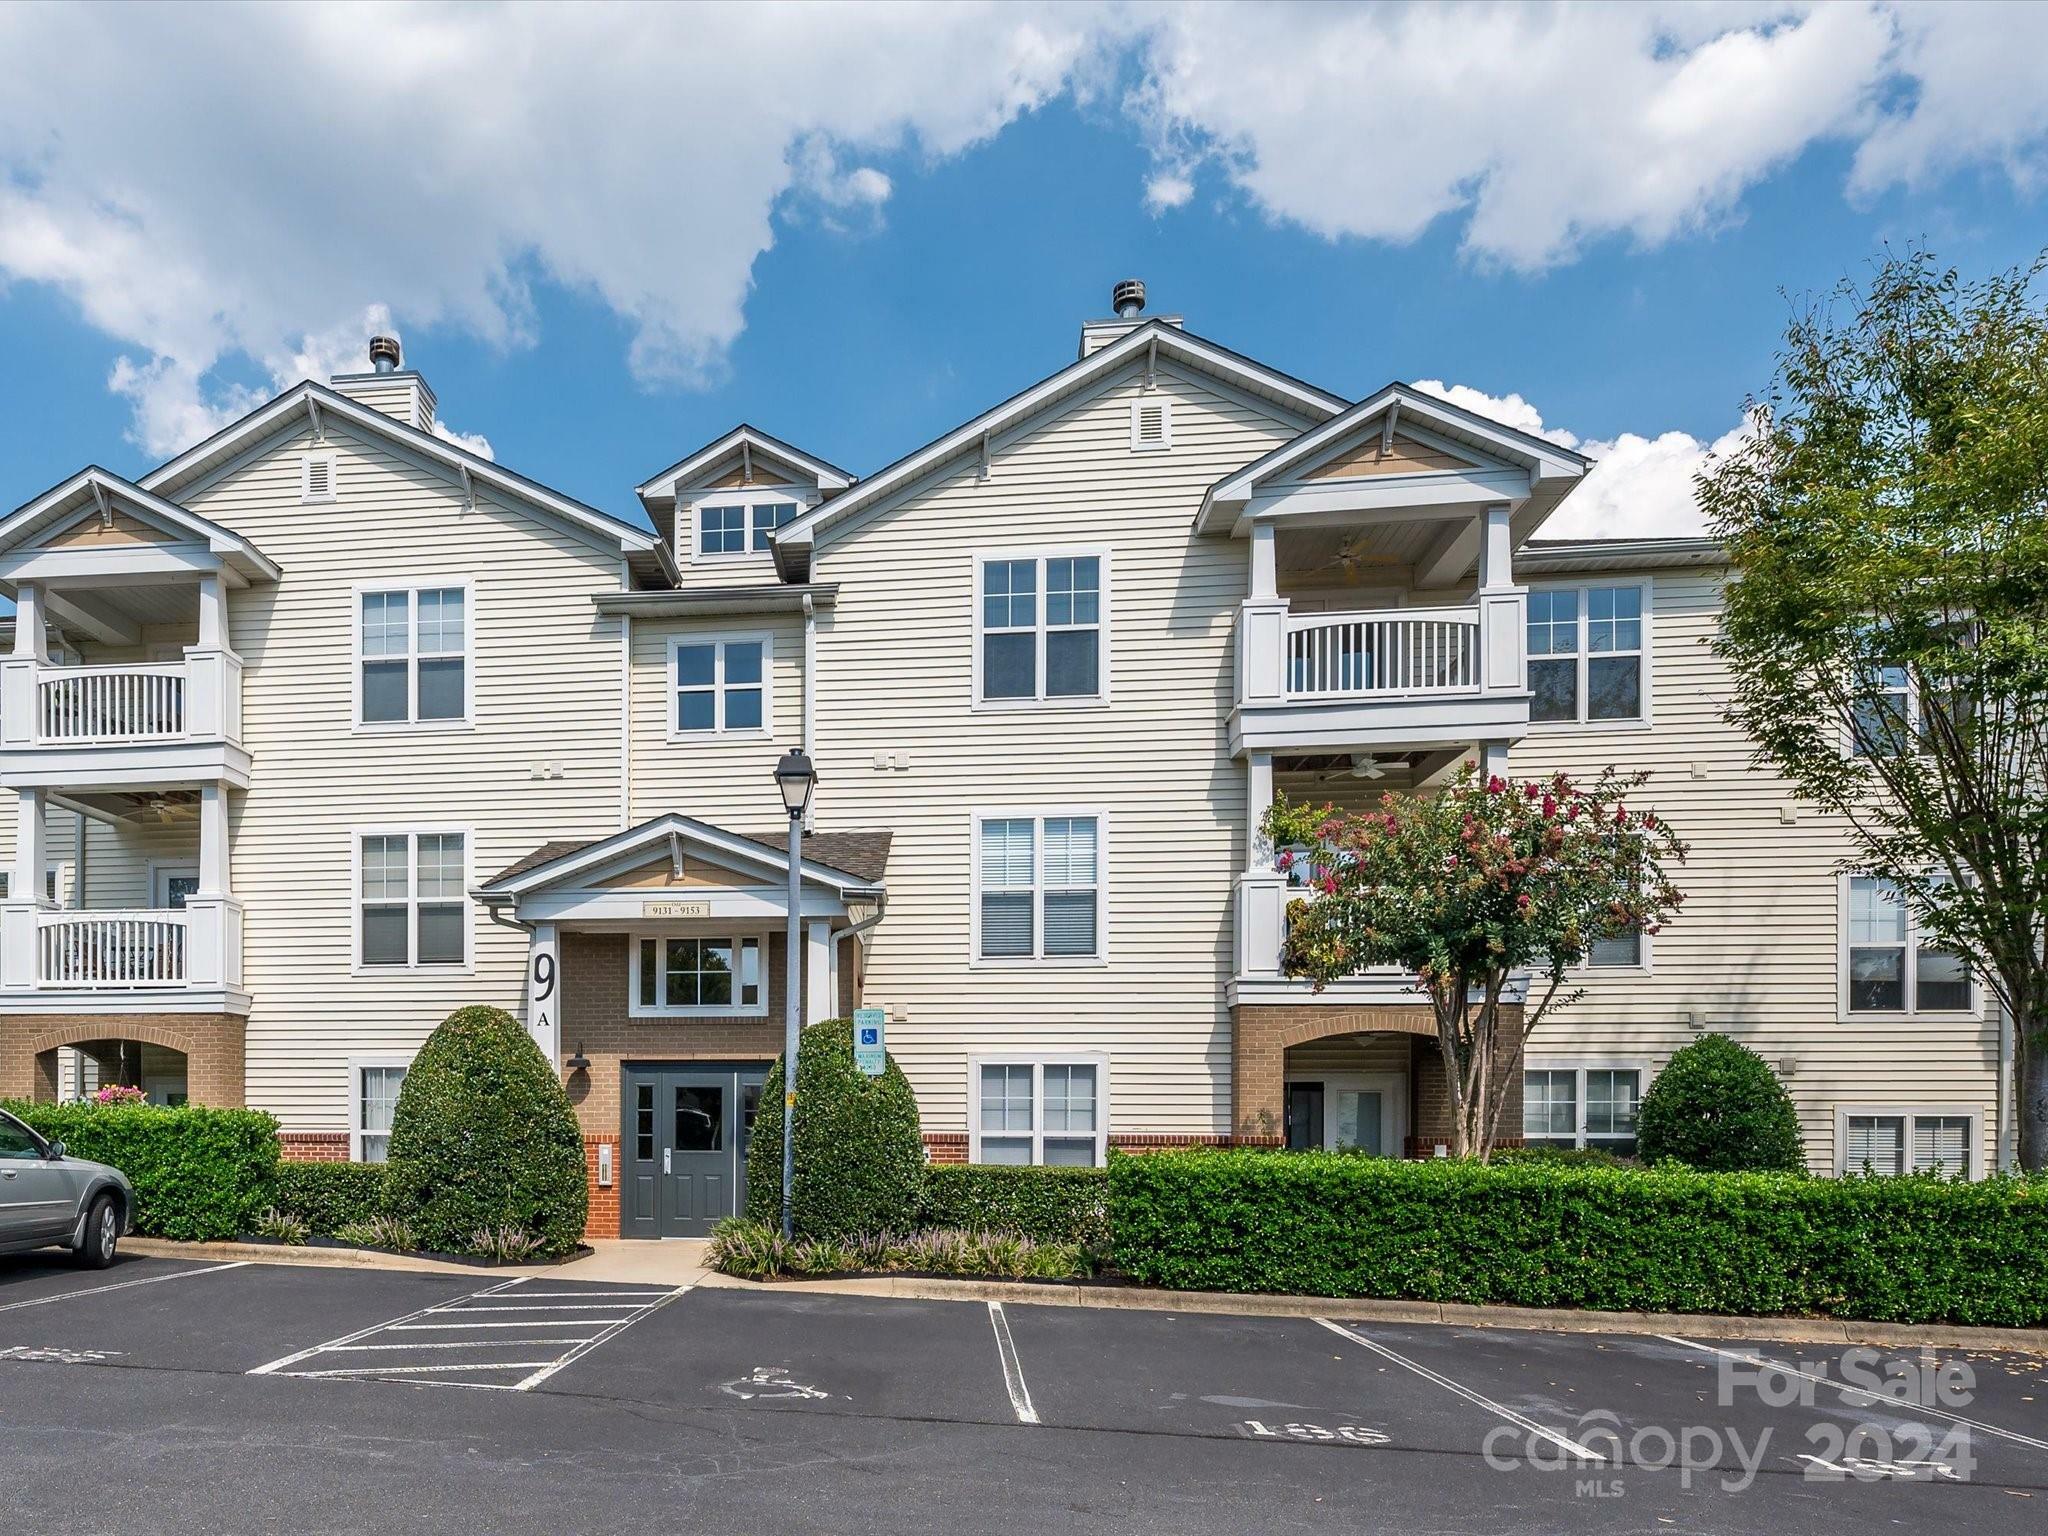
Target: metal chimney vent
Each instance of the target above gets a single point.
(384, 354)
(1128, 298)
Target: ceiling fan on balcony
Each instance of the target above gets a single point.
(1363, 766)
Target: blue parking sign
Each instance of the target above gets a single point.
(870, 1048)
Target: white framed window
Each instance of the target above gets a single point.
(316, 477)
(1941, 1139)
(697, 976)
(733, 524)
(373, 1096)
(412, 899)
(720, 685)
(1569, 1104)
(1040, 883)
(1151, 424)
(1041, 628)
(413, 644)
(1589, 654)
(1622, 952)
(1050, 1109)
(1888, 965)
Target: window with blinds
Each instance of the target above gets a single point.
(1040, 1111)
(1907, 1143)
(1038, 888)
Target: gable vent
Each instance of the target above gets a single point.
(1151, 426)
(317, 482)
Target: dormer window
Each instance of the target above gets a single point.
(734, 524)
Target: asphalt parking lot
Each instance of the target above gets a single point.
(171, 1396)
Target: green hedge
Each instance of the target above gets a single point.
(1653, 1239)
(199, 1174)
(326, 1196)
(1049, 1205)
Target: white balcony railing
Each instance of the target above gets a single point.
(90, 950)
(1402, 651)
(85, 705)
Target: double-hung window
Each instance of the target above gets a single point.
(413, 649)
(1581, 1107)
(1038, 886)
(376, 1088)
(1889, 965)
(412, 899)
(697, 976)
(1586, 654)
(1048, 1110)
(1906, 1141)
(1040, 627)
(721, 685)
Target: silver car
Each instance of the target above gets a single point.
(48, 1199)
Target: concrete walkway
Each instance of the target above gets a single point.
(611, 1260)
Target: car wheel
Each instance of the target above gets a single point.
(102, 1233)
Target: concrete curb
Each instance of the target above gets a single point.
(1790, 1330)
(342, 1258)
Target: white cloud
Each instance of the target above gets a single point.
(240, 185)
(1638, 486)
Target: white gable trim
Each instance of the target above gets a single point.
(828, 477)
(636, 845)
(188, 529)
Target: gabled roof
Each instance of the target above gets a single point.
(830, 477)
(94, 487)
(310, 399)
(1543, 458)
(794, 541)
(848, 862)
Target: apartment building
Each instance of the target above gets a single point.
(327, 727)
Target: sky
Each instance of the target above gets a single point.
(607, 234)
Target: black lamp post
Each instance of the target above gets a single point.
(795, 778)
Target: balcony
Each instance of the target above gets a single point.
(130, 960)
(124, 724)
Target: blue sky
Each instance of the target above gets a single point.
(858, 284)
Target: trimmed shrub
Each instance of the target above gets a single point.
(1718, 1106)
(483, 1139)
(859, 1157)
(330, 1196)
(199, 1174)
(1914, 1249)
(1580, 1157)
(754, 1250)
(1048, 1205)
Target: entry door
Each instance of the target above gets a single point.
(1343, 1110)
(685, 1147)
(174, 882)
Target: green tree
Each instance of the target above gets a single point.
(1718, 1106)
(1466, 889)
(1887, 520)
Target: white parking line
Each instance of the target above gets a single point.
(560, 1322)
(1857, 1394)
(122, 1285)
(1013, 1368)
(1500, 1409)
(363, 1333)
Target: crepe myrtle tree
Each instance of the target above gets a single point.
(1466, 888)
(1887, 630)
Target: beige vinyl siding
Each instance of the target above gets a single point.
(726, 780)
(1755, 949)
(895, 663)
(546, 693)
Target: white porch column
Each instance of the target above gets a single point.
(1258, 798)
(544, 991)
(1493, 760)
(213, 613)
(821, 992)
(18, 669)
(213, 672)
(213, 918)
(1262, 627)
(18, 926)
(1261, 889)
(1503, 609)
(1265, 561)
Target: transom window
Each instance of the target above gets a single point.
(1586, 653)
(739, 526)
(376, 1099)
(413, 903)
(720, 685)
(1048, 1111)
(1039, 887)
(1906, 1142)
(1581, 1107)
(1039, 619)
(1891, 967)
(697, 975)
(413, 643)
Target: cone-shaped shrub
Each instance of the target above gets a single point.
(483, 1139)
(1718, 1106)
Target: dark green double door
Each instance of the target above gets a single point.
(684, 1145)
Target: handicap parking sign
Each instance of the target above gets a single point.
(870, 1050)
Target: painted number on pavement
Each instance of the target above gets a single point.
(1342, 1434)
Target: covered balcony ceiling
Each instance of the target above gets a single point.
(1373, 556)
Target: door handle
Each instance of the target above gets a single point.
(664, 1161)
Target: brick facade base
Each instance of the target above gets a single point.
(211, 1043)
(604, 1217)
(313, 1146)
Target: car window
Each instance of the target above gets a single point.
(17, 1144)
